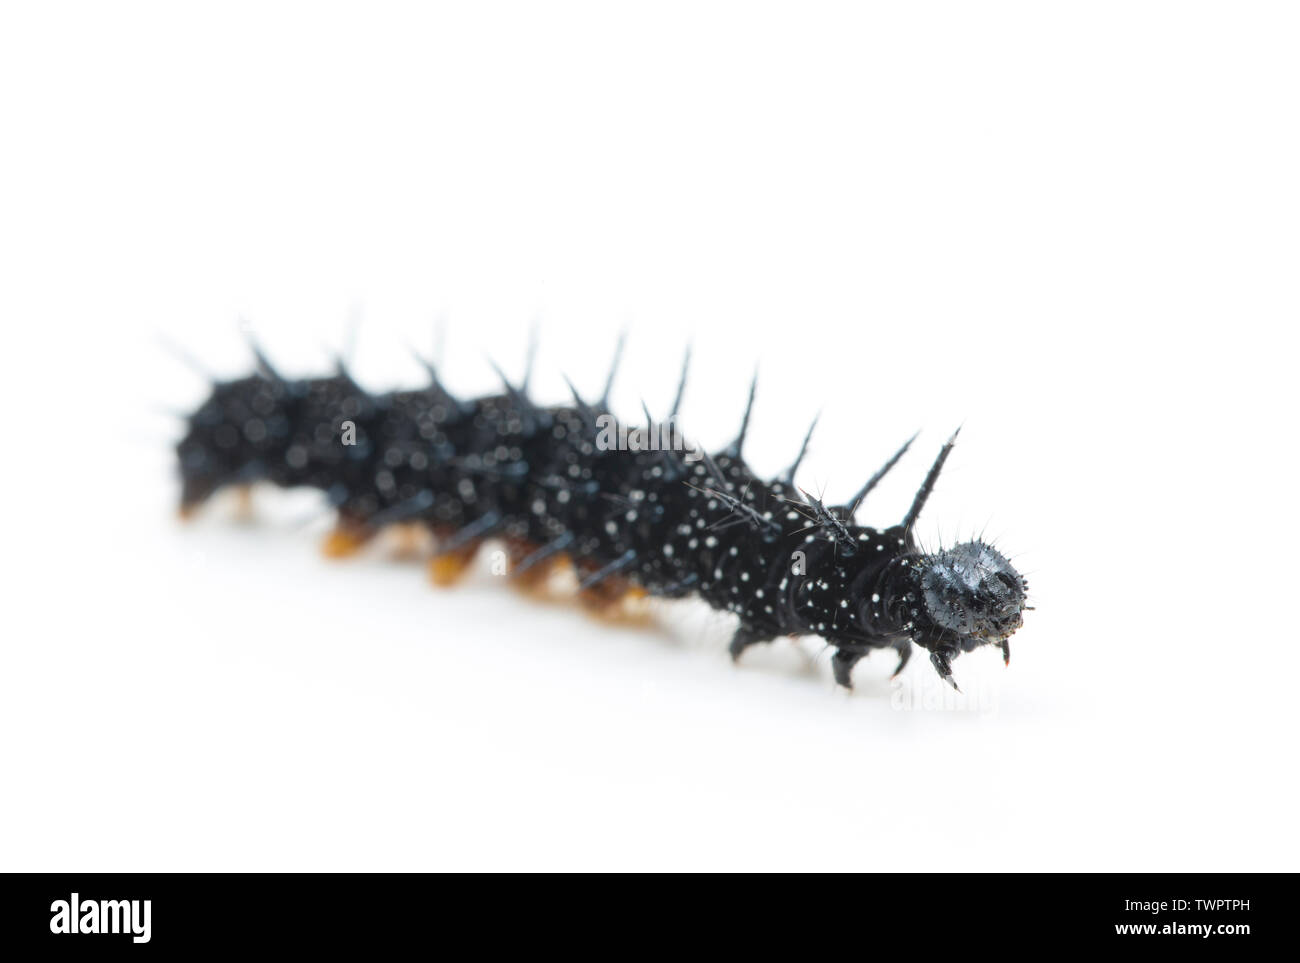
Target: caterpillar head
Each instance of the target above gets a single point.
(971, 592)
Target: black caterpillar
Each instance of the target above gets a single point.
(652, 518)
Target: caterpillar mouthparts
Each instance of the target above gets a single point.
(633, 510)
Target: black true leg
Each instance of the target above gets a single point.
(743, 639)
(941, 660)
(842, 663)
(904, 653)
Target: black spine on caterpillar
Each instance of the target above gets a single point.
(671, 519)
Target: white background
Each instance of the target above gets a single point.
(1073, 228)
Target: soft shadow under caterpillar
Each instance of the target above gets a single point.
(660, 520)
